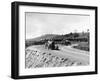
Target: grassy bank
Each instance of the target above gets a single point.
(82, 46)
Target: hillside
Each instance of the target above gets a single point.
(43, 37)
(60, 37)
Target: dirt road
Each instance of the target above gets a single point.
(66, 52)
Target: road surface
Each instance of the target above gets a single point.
(65, 52)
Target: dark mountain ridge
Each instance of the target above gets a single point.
(60, 37)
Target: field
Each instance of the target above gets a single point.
(82, 46)
(37, 56)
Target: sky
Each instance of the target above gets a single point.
(38, 24)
